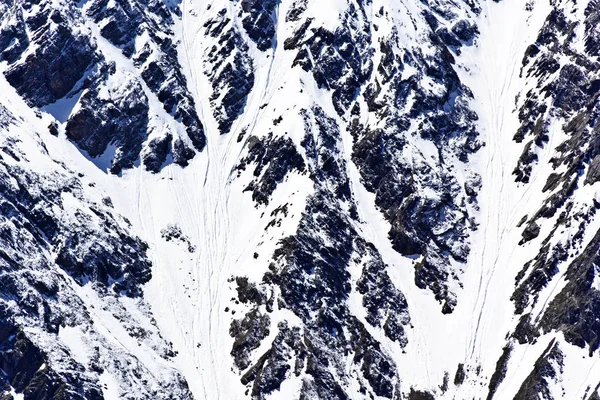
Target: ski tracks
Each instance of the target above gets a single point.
(497, 60)
(205, 207)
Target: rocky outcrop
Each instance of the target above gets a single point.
(259, 21)
(45, 77)
(310, 273)
(69, 60)
(573, 310)
(273, 158)
(339, 60)
(229, 68)
(547, 368)
(569, 92)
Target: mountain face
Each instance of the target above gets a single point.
(299, 199)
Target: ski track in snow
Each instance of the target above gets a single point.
(506, 30)
(193, 288)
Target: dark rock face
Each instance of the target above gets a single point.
(274, 159)
(230, 70)
(310, 271)
(546, 369)
(248, 333)
(570, 91)
(25, 369)
(43, 78)
(573, 311)
(543, 268)
(500, 372)
(446, 121)
(158, 151)
(381, 298)
(123, 123)
(572, 95)
(70, 60)
(566, 90)
(420, 395)
(459, 376)
(271, 369)
(124, 21)
(340, 60)
(259, 21)
(78, 246)
(174, 233)
(13, 33)
(540, 63)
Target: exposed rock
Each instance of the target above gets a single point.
(274, 158)
(460, 375)
(546, 369)
(259, 21)
(230, 69)
(248, 333)
(57, 243)
(310, 273)
(120, 120)
(43, 78)
(573, 310)
(65, 59)
(500, 372)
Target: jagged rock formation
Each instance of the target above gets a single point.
(110, 61)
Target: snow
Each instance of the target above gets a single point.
(72, 337)
(62, 109)
(492, 68)
(289, 389)
(110, 387)
(190, 290)
(15, 395)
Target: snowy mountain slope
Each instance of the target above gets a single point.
(299, 199)
(74, 323)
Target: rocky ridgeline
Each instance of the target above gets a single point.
(365, 69)
(310, 273)
(230, 69)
